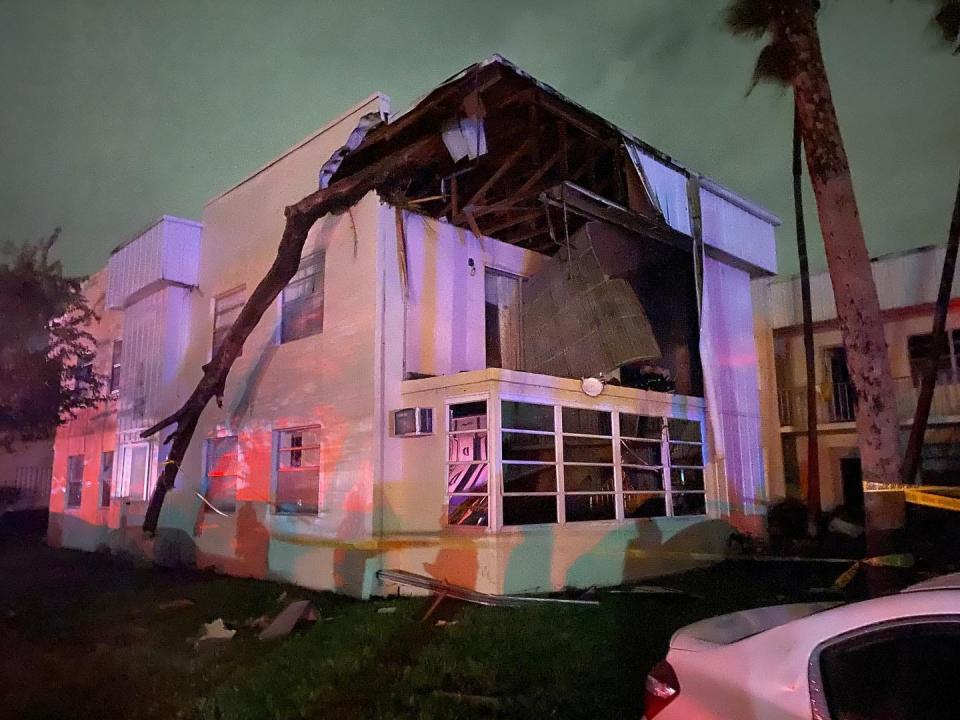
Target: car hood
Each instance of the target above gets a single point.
(731, 628)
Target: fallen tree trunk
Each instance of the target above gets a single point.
(386, 177)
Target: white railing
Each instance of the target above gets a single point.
(836, 402)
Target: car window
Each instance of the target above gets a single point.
(906, 669)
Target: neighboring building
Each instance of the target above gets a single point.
(25, 475)
(81, 502)
(907, 284)
(414, 398)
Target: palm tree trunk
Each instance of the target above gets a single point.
(813, 449)
(938, 344)
(858, 307)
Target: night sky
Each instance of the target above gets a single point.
(115, 111)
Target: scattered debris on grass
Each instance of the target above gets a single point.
(289, 618)
(656, 590)
(215, 630)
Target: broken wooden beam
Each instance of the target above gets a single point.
(457, 592)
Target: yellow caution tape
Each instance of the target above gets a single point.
(922, 496)
(900, 560)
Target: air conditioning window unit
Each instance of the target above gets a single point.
(411, 422)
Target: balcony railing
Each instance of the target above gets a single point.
(836, 402)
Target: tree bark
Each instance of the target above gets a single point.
(938, 344)
(383, 176)
(813, 448)
(858, 307)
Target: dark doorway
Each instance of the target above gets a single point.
(843, 399)
(851, 476)
(502, 292)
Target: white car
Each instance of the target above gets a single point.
(887, 658)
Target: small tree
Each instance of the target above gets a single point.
(46, 351)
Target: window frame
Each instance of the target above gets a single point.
(277, 451)
(116, 366)
(71, 482)
(953, 338)
(105, 480)
(216, 311)
(207, 455)
(819, 703)
(492, 512)
(496, 487)
(320, 269)
(121, 484)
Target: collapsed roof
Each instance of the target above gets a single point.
(504, 155)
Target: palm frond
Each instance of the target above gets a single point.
(774, 64)
(947, 20)
(752, 18)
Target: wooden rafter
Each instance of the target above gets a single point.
(531, 186)
(508, 163)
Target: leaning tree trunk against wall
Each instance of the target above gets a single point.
(813, 446)
(938, 345)
(384, 176)
(858, 307)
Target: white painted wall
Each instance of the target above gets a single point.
(903, 279)
(445, 300)
(730, 367)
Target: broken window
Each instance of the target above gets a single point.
(222, 463)
(302, 302)
(106, 477)
(298, 471)
(529, 463)
(571, 456)
(74, 480)
(588, 476)
(467, 466)
(502, 316)
(641, 441)
(686, 467)
(226, 309)
(116, 355)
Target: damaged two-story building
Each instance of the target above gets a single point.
(530, 365)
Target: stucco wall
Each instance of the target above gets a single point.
(324, 379)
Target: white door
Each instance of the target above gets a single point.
(134, 471)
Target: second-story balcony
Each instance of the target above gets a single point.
(837, 401)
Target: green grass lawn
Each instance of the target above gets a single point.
(87, 636)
